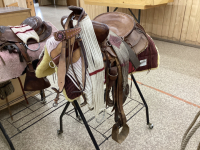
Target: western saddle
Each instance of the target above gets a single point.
(11, 42)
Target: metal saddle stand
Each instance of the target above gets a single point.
(78, 110)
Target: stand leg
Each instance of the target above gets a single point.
(6, 136)
(107, 8)
(86, 125)
(61, 116)
(43, 98)
(77, 116)
(145, 104)
(20, 82)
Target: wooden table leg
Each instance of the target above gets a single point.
(9, 109)
(23, 90)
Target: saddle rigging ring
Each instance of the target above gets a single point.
(33, 49)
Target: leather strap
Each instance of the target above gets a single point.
(120, 117)
(26, 56)
(132, 56)
(62, 62)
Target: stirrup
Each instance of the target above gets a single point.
(117, 136)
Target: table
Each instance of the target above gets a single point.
(13, 15)
(133, 4)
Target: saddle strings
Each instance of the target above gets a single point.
(95, 63)
(123, 56)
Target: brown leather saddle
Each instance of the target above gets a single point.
(125, 26)
(9, 41)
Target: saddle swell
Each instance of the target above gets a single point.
(101, 31)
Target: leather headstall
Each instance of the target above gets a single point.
(71, 42)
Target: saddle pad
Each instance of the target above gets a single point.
(25, 32)
(13, 68)
(120, 23)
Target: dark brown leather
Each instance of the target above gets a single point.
(7, 35)
(101, 31)
(77, 11)
(35, 22)
(132, 56)
(41, 28)
(70, 88)
(32, 83)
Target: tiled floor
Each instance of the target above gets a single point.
(172, 92)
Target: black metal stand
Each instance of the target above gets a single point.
(143, 100)
(139, 13)
(77, 108)
(6, 136)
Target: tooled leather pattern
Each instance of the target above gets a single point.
(66, 34)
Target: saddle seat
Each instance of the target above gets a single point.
(120, 23)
